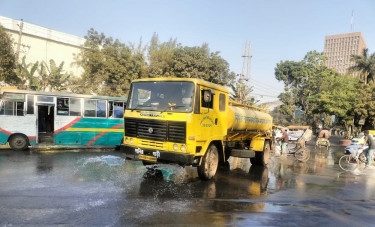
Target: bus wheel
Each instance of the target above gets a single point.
(261, 157)
(18, 142)
(209, 164)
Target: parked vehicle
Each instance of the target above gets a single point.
(193, 122)
(29, 118)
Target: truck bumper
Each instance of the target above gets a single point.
(156, 156)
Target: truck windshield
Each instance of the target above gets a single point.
(169, 96)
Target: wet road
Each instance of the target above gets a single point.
(80, 188)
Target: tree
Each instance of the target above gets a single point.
(26, 74)
(198, 62)
(161, 57)
(365, 65)
(8, 59)
(309, 86)
(339, 99)
(52, 77)
(109, 66)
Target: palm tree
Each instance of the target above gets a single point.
(26, 73)
(365, 65)
(52, 77)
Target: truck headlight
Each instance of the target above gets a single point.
(175, 147)
(131, 141)
(183, 148)
(127, 140)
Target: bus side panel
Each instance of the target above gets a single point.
(90, 131)
(25, 125)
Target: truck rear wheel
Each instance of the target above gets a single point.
(209, 164)
(261, 157)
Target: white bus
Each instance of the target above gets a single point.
(29, 118)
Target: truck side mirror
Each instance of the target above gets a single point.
(207, 96)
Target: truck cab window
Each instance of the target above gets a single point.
(221, 102)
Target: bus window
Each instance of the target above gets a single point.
(30, 104)
(90, 108)
(95, 108)
(62, 106)
(118, 110)
(12, 108)
(75, 107)
(100, 108)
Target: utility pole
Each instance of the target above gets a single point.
(19, 40)
(351, 22)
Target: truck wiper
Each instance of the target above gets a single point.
(140, 105)
(172, 106)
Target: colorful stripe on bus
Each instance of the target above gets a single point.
(91, 131)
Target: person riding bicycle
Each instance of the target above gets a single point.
(371, 147)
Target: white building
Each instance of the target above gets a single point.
(43, 44)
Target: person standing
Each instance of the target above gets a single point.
(371, 147)
(284, 141)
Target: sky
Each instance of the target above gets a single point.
(278, 30)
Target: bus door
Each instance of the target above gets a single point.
(45, 124)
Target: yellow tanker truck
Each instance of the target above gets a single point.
(192, 122)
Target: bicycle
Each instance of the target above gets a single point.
(350, 162)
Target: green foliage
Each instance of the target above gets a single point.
(26, 75)
(109, 66)
(365, 65)
(52, 77)
(316, 90)
(7, 59)
(161, 57)
(198, 62)
(42, 77)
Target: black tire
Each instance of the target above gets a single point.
(261, 157)
(18, 142)
(210, 162)
(348, 163)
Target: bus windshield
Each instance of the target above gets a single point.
(170, 96)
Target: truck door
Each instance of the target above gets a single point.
(209, 114)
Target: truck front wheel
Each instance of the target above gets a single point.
(209, 164)
(261, 157)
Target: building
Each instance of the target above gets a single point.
(43, 44)
(339, 48)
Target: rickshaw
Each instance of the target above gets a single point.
(323, 140)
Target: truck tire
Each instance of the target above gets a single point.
(261, 157)
(210, 162)
(18, 142)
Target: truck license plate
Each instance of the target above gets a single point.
(147, 158)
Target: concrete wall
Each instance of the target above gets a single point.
(42, 44)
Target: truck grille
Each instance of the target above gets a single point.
(172, 131)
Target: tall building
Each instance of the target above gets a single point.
(339, 48)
